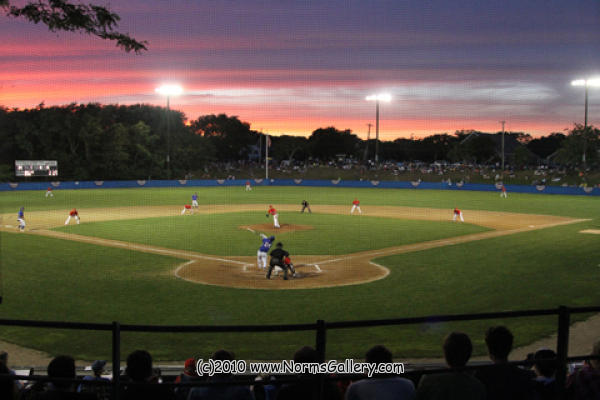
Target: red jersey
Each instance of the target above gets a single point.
(187, 206)
(503, 188)
(356, 202)
(272, 211)
(456, 211)
(49, 189)
(247, 183)
(73, 212)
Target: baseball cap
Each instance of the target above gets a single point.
(190, 364)
(98, 365)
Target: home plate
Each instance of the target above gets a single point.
(592, 231)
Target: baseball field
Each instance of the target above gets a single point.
(135, 259)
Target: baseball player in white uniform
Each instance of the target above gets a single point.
(272, 211)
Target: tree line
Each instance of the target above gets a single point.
(95, 141)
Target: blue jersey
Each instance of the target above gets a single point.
(21, 214)
(266, 245)
(194, 197)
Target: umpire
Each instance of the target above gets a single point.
(305, 206)
(277, 260)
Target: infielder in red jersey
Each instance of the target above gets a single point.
(355, 206)
(49, 192)
(186, 208)
(72, 214)
(458, 213)
(273, 212)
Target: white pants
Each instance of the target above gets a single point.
(185, 209)
(69, 218)
(194, 203)
(248, 187)
(21, 223)
(503, 194)
(276, 221)
(49, 194)
(355, 207)
(460, 215)
(261, 259)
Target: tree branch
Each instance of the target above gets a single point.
(63, 15)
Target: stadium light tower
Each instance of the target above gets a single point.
(169, 91)
(377, 98)
(590, 82)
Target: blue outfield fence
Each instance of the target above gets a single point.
(538, 189)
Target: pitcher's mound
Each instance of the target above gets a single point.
(269, 229)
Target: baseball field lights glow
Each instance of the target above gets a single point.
(169, 90)
(591, 82)
(377, 98)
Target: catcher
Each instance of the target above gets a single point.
(281, 258)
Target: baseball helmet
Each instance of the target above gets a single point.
(272, 238)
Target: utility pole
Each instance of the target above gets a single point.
(502, 122)
(368, 138)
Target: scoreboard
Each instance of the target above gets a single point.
(36, 168)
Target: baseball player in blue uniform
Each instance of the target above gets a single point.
(195, 200)
(261, 255)
(21, 219)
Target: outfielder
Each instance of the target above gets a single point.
(272, 211)
(355, 206)
(49, 192)
(503, 192)
(261, 254)
(21, 219)
(195, 200)
(458, 213)
(72, 214)
(280, 258)
(248, 187)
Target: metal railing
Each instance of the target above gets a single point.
(320, 328)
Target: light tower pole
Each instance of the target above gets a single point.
(168, 91)
(503, 122)
(377, 98)
(590, 82)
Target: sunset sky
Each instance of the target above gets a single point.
(290, 67)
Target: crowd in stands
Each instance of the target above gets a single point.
(498, 380)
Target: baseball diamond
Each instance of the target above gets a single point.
(314, 271)
(135, 259)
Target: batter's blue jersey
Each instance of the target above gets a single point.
(21, 214)
(266, 245)
(194, 197)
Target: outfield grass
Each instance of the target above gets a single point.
(51, 279)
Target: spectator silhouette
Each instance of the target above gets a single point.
(188, 375)
(308, 389)
(234, 392)
(502, 380)
(61, 367)
(102, 392)
(8, 387)
(456, 384)
(138, 376)
(544, 367)
(584, 383)
(381, 386)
